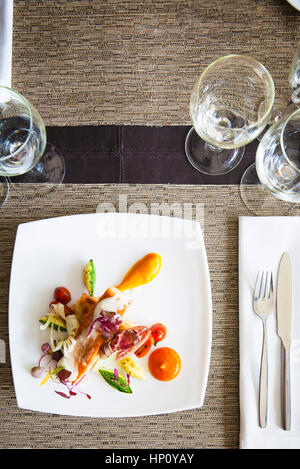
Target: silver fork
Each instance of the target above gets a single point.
(263, 304)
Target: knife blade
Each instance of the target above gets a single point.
(284, 326)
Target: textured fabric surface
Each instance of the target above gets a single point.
(135, 62)
(216, 424)
(134, 155)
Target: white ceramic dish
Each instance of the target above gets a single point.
(295, 4)
(52, 252)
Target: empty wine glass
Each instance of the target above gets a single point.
(255, 196)
(294, 76)
(230, 106)
(25, 155)
(277, 168)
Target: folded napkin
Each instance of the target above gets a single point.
(6, 19)
(262, 241)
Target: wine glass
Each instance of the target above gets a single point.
(294, 76)
(277, 168)
(256, 197)
(230, 105)
(25, 155)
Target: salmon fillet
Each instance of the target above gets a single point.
(86, 349)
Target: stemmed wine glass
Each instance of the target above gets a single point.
(277, 168)
(275, 171)
(25, 155)
(230, 106)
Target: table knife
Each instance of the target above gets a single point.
(284, 321)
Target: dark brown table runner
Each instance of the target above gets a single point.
(134, 154)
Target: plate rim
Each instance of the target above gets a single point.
(295, 4)
(208, 299)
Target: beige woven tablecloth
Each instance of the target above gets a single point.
(135, 61)
(216, 424)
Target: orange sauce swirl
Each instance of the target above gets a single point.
(164, 364)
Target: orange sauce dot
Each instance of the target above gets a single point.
(164, 363)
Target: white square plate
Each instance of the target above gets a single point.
(52, 252)
(295, 4)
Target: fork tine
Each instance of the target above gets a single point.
(266, 276)
(263, 284)
(268, 285)
(257, 287)
(271, 286)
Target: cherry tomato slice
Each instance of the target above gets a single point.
(144, 349)
(159, 332)
(62, 295)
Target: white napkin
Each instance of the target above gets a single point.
(6, 20)
(262, 241)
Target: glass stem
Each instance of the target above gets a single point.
(213, 148)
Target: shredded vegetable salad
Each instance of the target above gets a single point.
(84, 334)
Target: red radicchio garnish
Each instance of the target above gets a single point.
(45, 351)
(63, 375)
(107, 322)
(62, 394)
(126, 342)
(45, 348)
(87, 395)
(56, 356)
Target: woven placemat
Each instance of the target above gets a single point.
(135, 62)
(216, 424)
